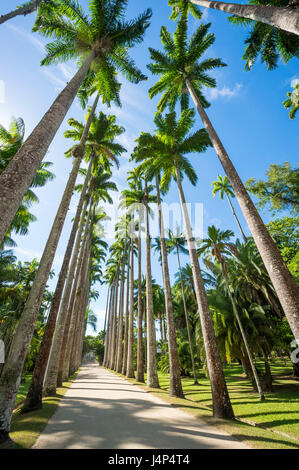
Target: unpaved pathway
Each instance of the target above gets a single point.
(102, 410)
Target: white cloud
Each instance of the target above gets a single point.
(215, 93)
(294, 81)
(53, 79)
(29, 36)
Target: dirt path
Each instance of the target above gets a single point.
(102, 410)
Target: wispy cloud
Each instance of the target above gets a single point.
(294, 81)
(39, 45)
(215, 93)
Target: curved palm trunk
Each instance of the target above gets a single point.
(175, 385)
(130, 359)
(121, 314)
(244, 336)
(187, 319)
(286, 19)
(152, 373)
(221, 403)
(236, 218)
(140, 368)
(19, 173)
(34, 396)
(283, 282)
(50, 382)
(11, 373)
(30, 7)
(125, 357)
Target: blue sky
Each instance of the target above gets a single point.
(246, 110)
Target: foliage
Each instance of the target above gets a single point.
(292, 101)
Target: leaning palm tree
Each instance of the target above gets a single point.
(28, 8)
(101, 41)
(182, 72)
(176, 242)
(11, 140)
(170, 145)
(282, 14)
(218, 245)
(223, 186)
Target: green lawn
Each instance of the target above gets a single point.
(279, 413)
(23, 389)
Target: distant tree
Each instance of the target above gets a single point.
(292, 102)
(280, 191)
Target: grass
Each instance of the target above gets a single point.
(279, 414)
(25, 429)
(23, 389)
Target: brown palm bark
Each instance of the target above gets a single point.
(286, 18)
(140, 366)
(19, 173)
(221, 402)
(152, 372)
(50, 382)
(125, 356)
(34, 396)
(175, 385)
(130, 357)
(24, 10)
(112, 349)
(106, 343)
(121, 313)
(187, 319)
(282, 280)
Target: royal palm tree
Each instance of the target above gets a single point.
(181, 71)
(283, 15)
(101, 41)
(223, 186)
(170, 144)
(218, 245)
(176, 242)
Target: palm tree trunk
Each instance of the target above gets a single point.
(221, 402)
(34, 396)
(59, 340)
(283, 282)
(152, 372)
(187, 319)
(175, 385)
(106, 314)
(121, 313)
(236, 217)
(26, 9)
(19, 173)
(140, 367)
(244, 336)
(125, 357)
(11, 373)
(130, 359)
(107, 335)
(112, 352)
(286, 18)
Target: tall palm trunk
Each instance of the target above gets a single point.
(175, 386)
(221, 402)
(187, 319)
(121, 313)
(114, 323)
(283, 282)
(244, 336)
(140, 367)
(50, 382)
(11, 373)
(152, 372)
(26, 9)
(19, 173)
(236, 218)
(130, 358)
(125, 356)
(34, 396)
(106, 314)
(107, 335)
(286, 18)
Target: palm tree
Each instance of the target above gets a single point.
(143, 152)
(292, 102)
(218, 245)
(182, 72)
(282, 15)
(170, 145)
(100, 40)
(27, 8)
(177, 243)
(223, 186)
(11, 140)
